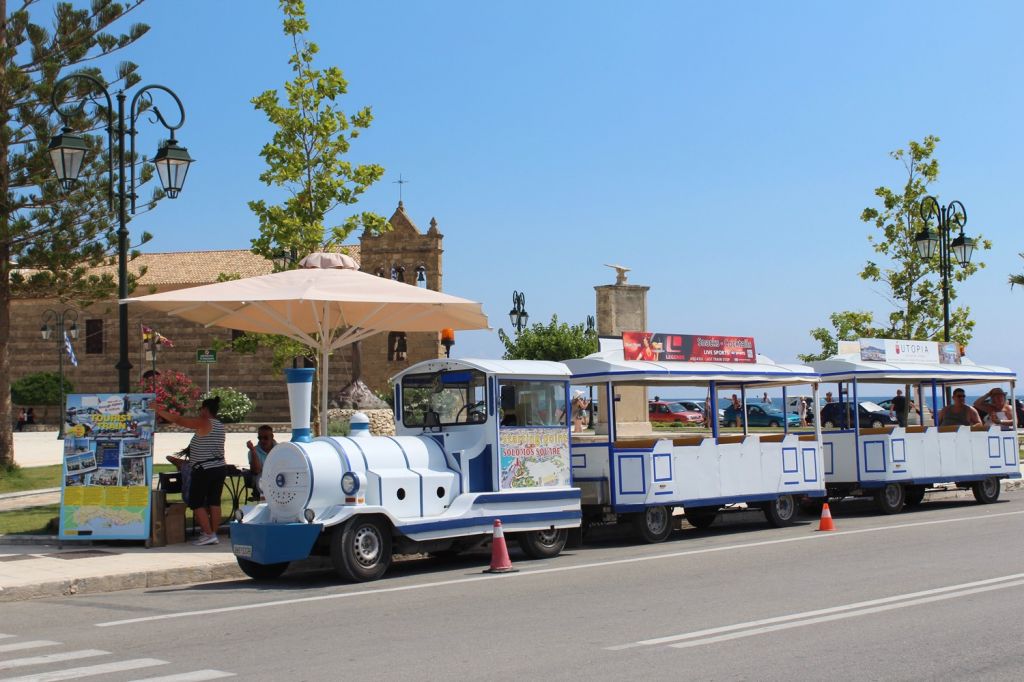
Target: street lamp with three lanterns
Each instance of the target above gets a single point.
(67, 153)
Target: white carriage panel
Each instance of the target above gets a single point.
(771, 463)
(839, 457)
(751, 482)
(696, 470)
(632, 480)
(986, 451)
(923, 453)
(947, 451)
(964, 462)
(739, 466)
(811, 465)
(1011, 451)
(662, 486)
(439, 483)
(899, 458)
(589, 461)
(874, 457)
(399, 491)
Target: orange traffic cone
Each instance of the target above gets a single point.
(500, 563)
(826, 519)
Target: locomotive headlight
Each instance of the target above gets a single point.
(309, 515)
(349, 483)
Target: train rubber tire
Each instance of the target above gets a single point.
(987, 491)
(890, 498)
(701, 517)
(361, 549)
(914, 495)
(261, 571)
(654, 524)
(543, 544)
(780, 512)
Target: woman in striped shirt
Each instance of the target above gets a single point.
(206, 457)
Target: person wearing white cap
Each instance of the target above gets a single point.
(579, 406)
(995, 408)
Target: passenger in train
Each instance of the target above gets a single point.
(959, 413)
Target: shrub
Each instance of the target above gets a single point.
(338, 427)
(175, 392)
(42, 388)
(234, 405)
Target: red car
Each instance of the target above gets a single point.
(660, 411)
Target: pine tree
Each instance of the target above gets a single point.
(49, 239)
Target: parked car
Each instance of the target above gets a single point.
(762, 415)
(698, 406)
(661, 411)
(840, 415)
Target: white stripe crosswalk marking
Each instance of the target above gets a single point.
(34, 644)
(51, 658)
(197, 676)
(89, 670)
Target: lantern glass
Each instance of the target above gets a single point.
(963, 249)
(73, 332)
(45, 332)
(172, 163)
(927, 243)
(67, 152)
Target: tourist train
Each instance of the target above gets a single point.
(480, 440)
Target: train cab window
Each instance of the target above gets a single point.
(444, 398)
(532, 403)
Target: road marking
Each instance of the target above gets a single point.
(908, 600)
(89, 670)
(370, 591)
(197, 676)
(18, 646)
(850, 614)
(51, 658)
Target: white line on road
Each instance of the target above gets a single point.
(18, 646)
(197, 676)
(88, 671)
(849, 614)
(51, 658)
(370, 591)
(698, 634)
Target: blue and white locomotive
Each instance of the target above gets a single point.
(477, 440)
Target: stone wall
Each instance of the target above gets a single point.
(382, 422)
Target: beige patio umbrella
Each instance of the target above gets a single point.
(326, 303)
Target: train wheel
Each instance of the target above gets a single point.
(261, 571)
(701, 517)
(889, 499)
(654, 524)
(361, 549)
(987, 491)
(914, 495)
(543, 544)
(781, 511)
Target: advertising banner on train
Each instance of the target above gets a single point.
(108, 466)
(655, 346)
(534, 457)
(900, 350)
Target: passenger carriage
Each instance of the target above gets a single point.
(626, 474)
(894, 464)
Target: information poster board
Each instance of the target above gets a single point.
(533, 457)
(657, 346)
(900, 350)
(108, 466)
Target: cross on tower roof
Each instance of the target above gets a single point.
(400, 181)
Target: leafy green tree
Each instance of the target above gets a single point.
(910, 284)
(553, 341)
(50, 239)
(41, 388)
(306, 157)
(1017, 279)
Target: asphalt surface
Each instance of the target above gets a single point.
(934, 593)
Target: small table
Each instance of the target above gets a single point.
(238, 483)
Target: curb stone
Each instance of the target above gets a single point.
(28, 493)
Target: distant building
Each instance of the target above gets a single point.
(404, 254)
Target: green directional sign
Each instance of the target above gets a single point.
(206, 356)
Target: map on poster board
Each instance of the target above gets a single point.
(533, 457)
(108, 466)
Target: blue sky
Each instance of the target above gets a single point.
(723, 151)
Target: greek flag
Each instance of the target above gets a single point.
(71, 351)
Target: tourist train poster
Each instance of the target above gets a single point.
(533, 457)
(108, 466)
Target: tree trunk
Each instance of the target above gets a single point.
(357, 395)
(6, 433)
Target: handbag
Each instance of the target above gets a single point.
(186, 482)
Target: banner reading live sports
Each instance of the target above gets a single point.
(687, 347)
(108, 466)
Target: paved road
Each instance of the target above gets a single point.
(931, 594)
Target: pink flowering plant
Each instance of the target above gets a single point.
(175, 392)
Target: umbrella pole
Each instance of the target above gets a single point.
(325, 353)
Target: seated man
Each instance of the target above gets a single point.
(959, 413)
(995, 408)
(258, 455)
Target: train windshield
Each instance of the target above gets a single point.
(444, 398)
(532, 403)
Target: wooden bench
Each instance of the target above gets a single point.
(688, 440)
(877, 432)
(729, 440)
(772, 438)
(949, 429)
(636, 444)
(808, 436)
(916, 429)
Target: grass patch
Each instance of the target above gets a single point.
(35, 478)
(30, 521)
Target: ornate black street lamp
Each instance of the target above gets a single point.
(65, 322)
(518, 315)
(67, 152)
(928, 240)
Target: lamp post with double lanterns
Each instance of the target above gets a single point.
(64, 322)
(928, 240)
(67, 153)
(518, 315)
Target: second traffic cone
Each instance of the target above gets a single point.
(500, 563)
(826, 519)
